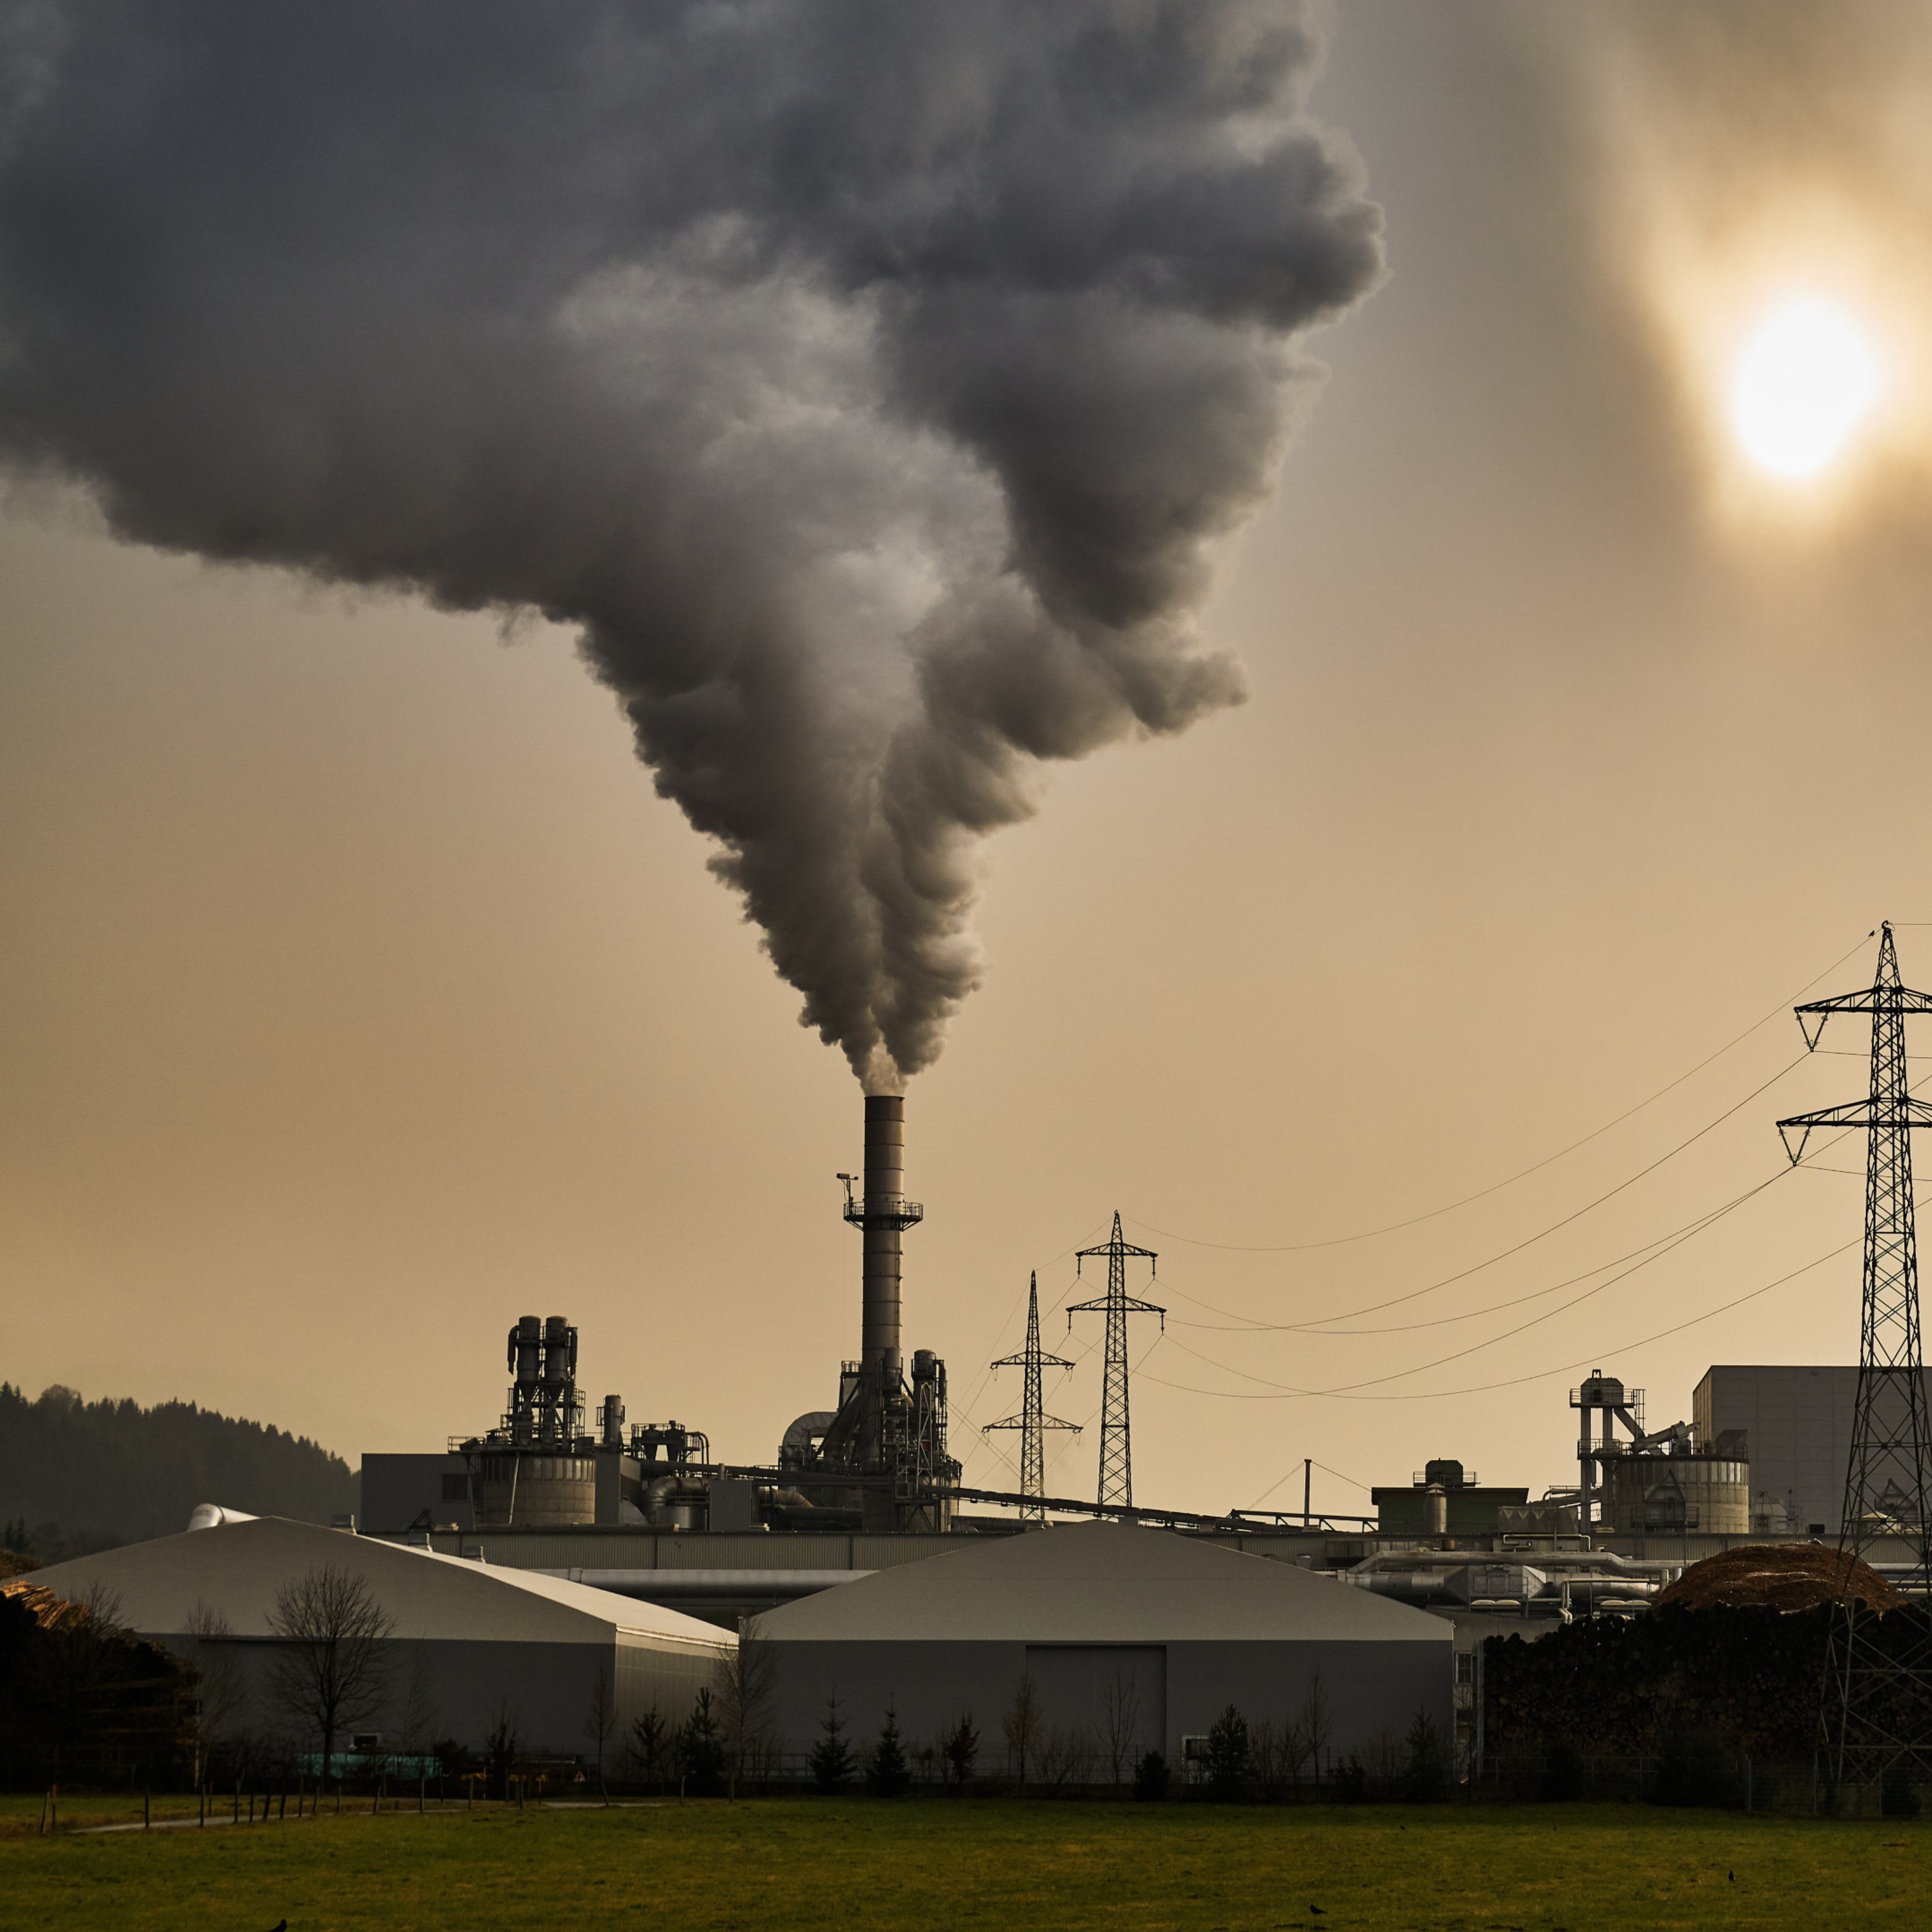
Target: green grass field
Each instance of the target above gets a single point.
(803, 1864)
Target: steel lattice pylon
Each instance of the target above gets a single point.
(1117, 1455)
(1875, 1706)
(1032, 1420)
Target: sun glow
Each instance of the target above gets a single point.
(1806, 382)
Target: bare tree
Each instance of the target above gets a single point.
(327, 1670)
(501, 1746)
(600, 1720)
(421, 1717)
(1119, 1720)
(1316, 1724)
(1065, 1752)
(1270, 1746)
(1021, 1725)
(220, 1693)
(746, 1684)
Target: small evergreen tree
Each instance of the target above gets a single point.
(832, 1766)
(649, 1743)
(960, 1747)
(701, 1750)
(1228, 1749)
(889, 1775)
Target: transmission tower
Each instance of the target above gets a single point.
(1033, 1419)
(1876, 1708)
(1117, 1453)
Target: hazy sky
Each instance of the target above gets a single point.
(361, 994)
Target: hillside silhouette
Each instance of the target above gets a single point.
(77, 1476)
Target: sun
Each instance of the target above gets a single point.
(1806, 381)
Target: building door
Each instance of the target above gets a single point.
(1105, 1701)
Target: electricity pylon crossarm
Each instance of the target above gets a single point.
(1117, 1455)
(1032, 1420)
(1875, 1723)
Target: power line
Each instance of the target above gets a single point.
(1696, 1224)
(1476, 1268)
(986, 1373)
(1538, 1376)
(1366, 1488)
(1116, 1462)
(1033, 1419)
(1536, 1167)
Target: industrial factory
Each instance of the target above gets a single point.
(808, 1542)
(627, 1554)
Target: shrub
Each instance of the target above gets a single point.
(1150, 1778)
(1562, 1774)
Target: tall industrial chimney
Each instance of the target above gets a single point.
(885, 1193)
(883, 1427)
(884, 1213)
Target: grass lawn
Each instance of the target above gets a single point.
(803, 1864)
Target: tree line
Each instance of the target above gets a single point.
(78, 1476)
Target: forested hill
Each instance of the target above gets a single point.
(80, 1475)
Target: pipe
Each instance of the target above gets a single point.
(1666, 1569)
(667, 1586)
(885, 1189)
(213, 1516)
(1432, 1585)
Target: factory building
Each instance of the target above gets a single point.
(1443, 1499)
(1112, 1626)
(1798, 1421)
(467, 1643)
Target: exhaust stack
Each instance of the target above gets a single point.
(883, 1214)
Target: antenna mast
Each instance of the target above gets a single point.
(1117, 1455)
(1876, 1711)
(1033, 1419)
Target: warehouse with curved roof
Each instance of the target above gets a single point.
(464, 1646)
(1120, 1640)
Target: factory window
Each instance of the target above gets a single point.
(456, 1488)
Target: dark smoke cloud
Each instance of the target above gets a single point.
(863, 378)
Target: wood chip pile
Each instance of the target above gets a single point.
(1778, 1577)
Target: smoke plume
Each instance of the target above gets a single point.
(866, 381)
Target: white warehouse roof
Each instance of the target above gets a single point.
(236, 1567)
(1100, 1583)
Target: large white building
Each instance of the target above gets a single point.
(1101, 1618)
(469, 1645)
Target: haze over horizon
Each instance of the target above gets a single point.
(363, 995)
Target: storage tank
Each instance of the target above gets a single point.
(521, 1490)
(1697, 1493)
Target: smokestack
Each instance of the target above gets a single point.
(884, 1213)
(885, 1195)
